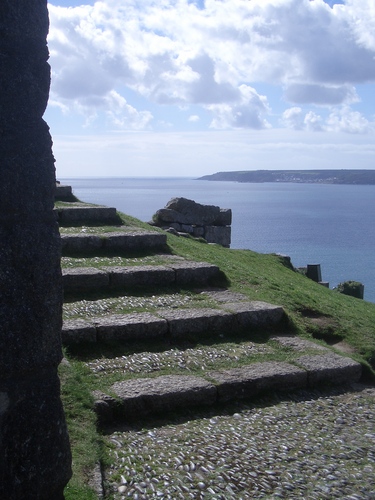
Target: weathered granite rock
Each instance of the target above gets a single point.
(84, 278)
(76, 331)
(64, 193)
(202, 221)
(255, 313)
(185, 322)
(248, 381)
(35, 456)
(81, 214)
(137, 326)
(83, 243)
(197, 273)
(221, 235)
(167, 393)
(148, 276)
(330, 369)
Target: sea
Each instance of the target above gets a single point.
(326, 224)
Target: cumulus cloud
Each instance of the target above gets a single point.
(293, 118)
(248, 112)
(313, 122)
(340, 120)
(346, 120)
(214, 54)
(122, 115)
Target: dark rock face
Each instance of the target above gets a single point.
(35, 454)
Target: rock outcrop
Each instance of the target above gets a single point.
(201, 221)
(35, 455)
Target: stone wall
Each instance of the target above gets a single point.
(201, 221)
(35, 454)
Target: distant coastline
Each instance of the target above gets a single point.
(366, 177)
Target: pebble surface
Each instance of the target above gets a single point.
(203, 358)
(309, 445)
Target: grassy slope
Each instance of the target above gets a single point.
(312, 309)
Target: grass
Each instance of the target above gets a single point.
(314, 312)
(266, 278)
(84, 438)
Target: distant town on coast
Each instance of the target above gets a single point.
(298, 176)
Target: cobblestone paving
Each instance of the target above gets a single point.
(310, 445)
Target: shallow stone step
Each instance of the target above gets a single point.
(150, 396)
(171, 323)
(64, 193)
(75, 215)
(81, 243)
(140, 397)
(88, 279)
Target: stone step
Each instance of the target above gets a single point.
(89, 279)
(64, 193)
(83, 214)
(119, 241)
(141, 397)
(173, 324)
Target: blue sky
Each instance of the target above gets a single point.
(192, 87)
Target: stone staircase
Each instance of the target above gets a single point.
(122, 288)
(227, 312)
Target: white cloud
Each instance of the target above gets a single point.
(124, 116)
(340, 120)
(246, 113)
(322, 95)
(352, 122)
(293, 118)
(177, 52)
(313, 122)
(193, 118)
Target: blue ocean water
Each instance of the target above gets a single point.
(330, 225)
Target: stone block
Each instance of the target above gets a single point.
(130, 242)
(80, 243)
(221, 235)
(187, 228)
(75, 331)
(298, 343)
(64, 193)
(195, 273)
(251, 380)
(255, 314)
(225, 217)
(198, 231)
(330, 369)
(84, 279)
(147, 276)
(86, 214)
(125, 327)
(314, 272)
(163, 394)
(185, 322)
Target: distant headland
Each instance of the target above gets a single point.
(298, 176)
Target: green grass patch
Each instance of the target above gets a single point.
(86, 443)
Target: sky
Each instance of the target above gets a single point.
(193, 87)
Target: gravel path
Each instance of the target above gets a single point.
(310, 445)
